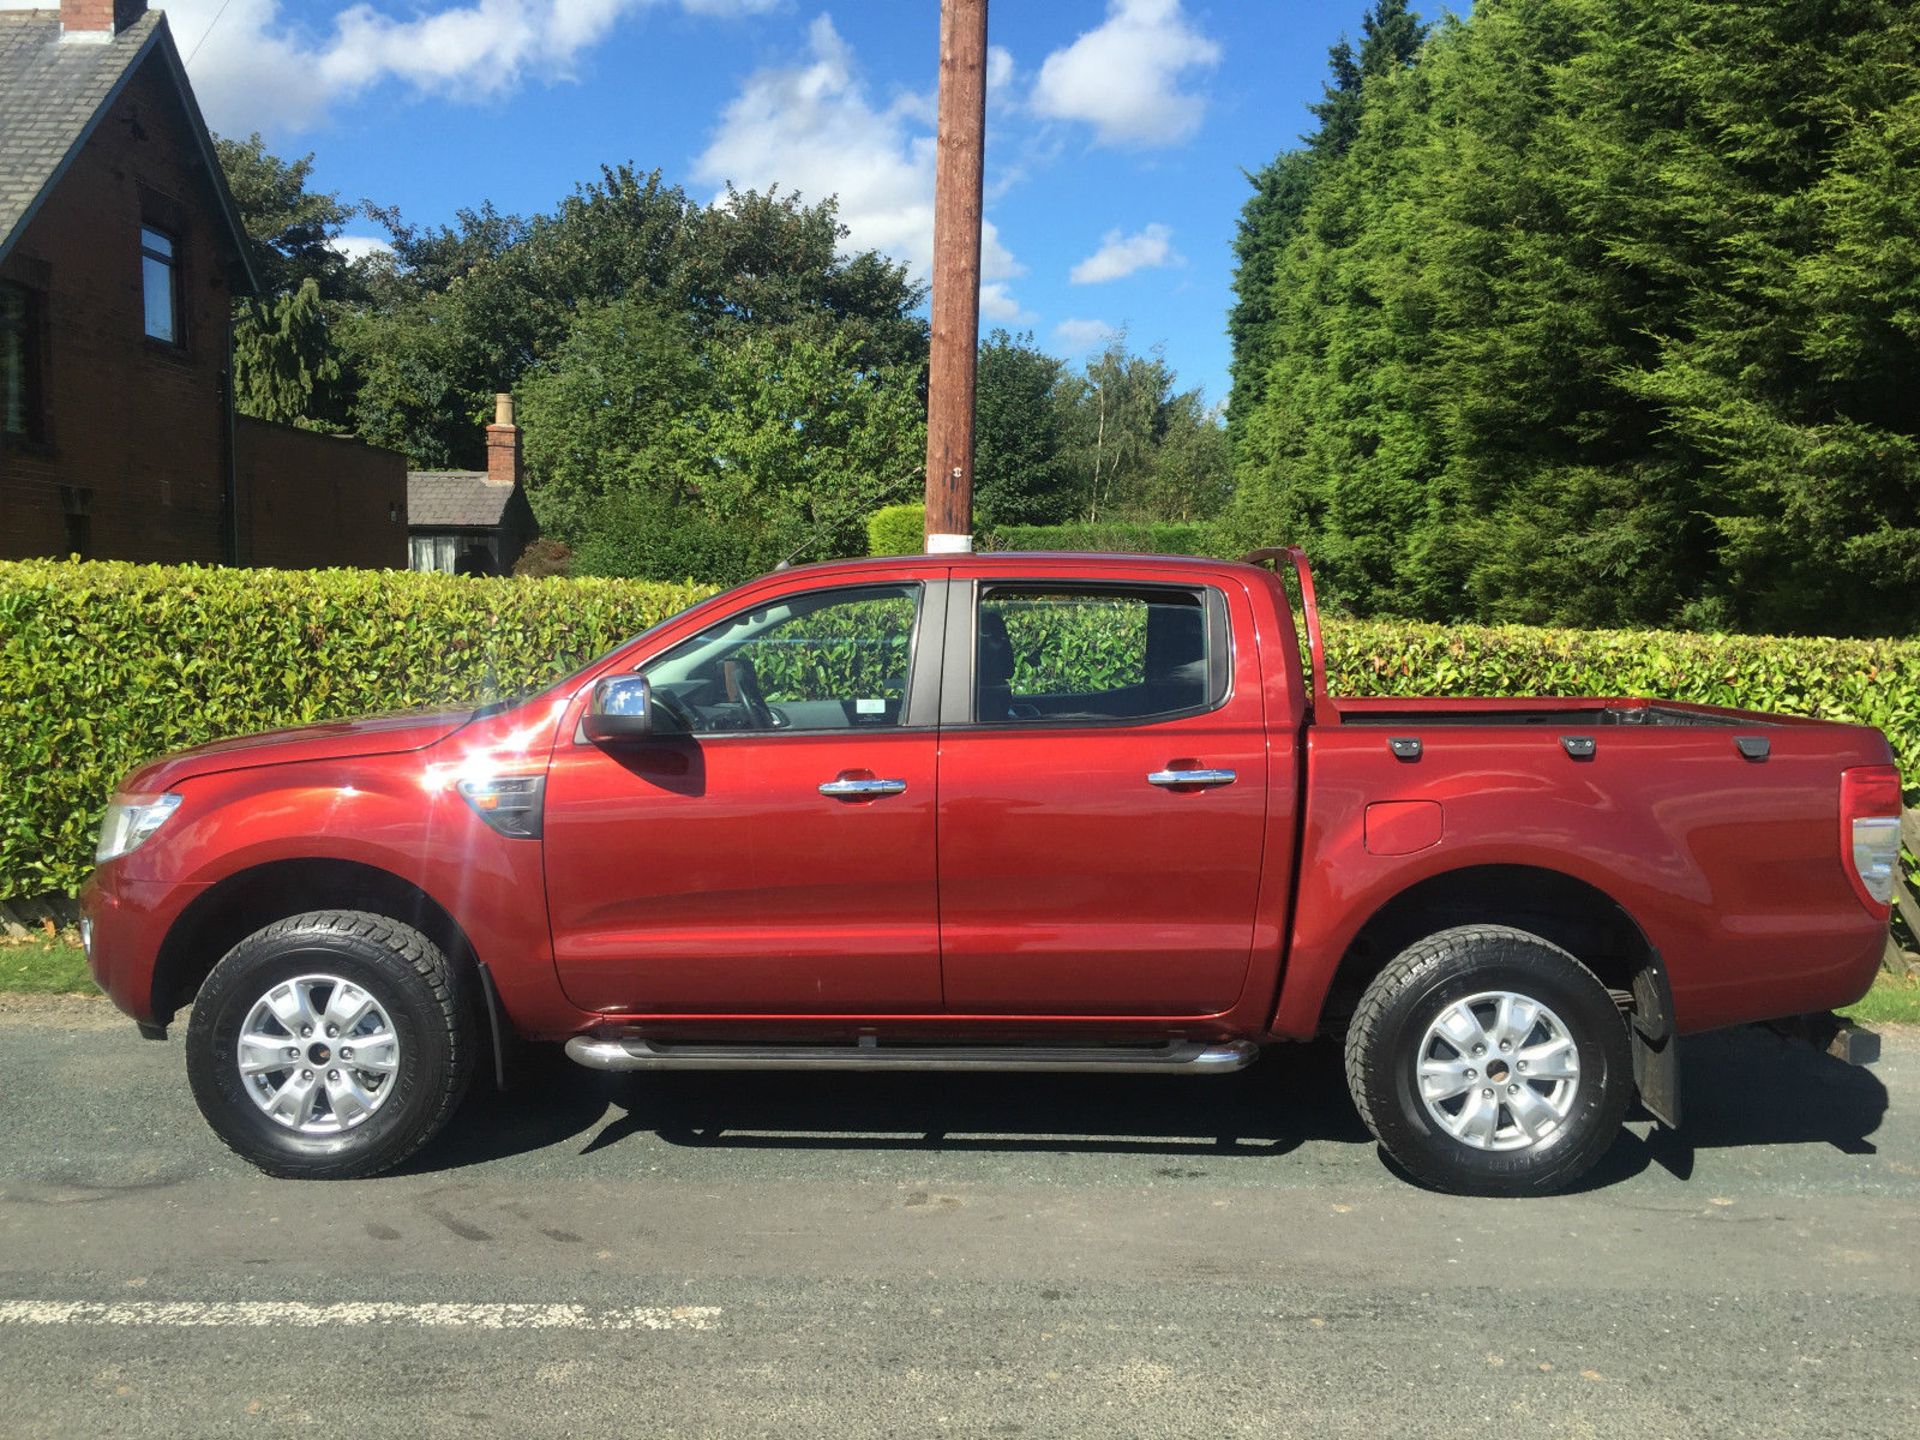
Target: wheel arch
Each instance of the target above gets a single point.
(241, 903)
(1572, 913)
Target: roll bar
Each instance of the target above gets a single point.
(1323, 709)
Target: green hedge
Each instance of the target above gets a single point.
(1873, 682)
(1192, 538)
(105, 665)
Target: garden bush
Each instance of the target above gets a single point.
(544, 558)
(103, 665)
(897, 530)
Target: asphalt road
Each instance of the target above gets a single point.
(924, 1256)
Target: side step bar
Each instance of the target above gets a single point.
(1179, 1057)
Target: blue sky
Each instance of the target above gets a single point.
(1117, 133)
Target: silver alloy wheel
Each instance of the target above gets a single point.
(1499, 1071)
(318, 1054)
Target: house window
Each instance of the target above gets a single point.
(19, 362)
(433, 552)
(159, 285)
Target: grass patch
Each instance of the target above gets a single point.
(45, 967)
(1894, 1000)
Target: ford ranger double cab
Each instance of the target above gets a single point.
(1014, 812)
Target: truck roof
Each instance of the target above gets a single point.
(1021, 559)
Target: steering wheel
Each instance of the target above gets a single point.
(671, 705)
(743, 687)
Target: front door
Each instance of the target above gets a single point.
(773, 852)
(1103, 798)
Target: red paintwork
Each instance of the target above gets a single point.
(328, 740)
(1055, 893)
(1400, 827)
(1028, 881)
(667, 858)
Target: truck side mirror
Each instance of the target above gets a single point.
(621, 708)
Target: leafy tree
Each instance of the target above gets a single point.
(1267, 222)
(1135, 448)
(1338, 109)
(806, 440)
(1391, 35)
(292, 227)
(471, 308)
(654, 450)
(1192, 470)
(613, 412)
(1020, 473)
(286, 366)
(1606, 316)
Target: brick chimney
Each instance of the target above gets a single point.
(98, 19)
(503, 444)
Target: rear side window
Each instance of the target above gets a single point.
(1047, 655)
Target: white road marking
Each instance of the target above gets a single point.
(257, 1313)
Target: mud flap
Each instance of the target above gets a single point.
(1656, 1049)
(496, 1025)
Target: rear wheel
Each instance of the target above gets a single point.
(1488, 1061)
(329, 1045)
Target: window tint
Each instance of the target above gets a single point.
(1045, 655)
(157, 285)
(833, 660)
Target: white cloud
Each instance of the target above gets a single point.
(997, 304)
(1082, 336)
(359, 247)
(259, 65)
(1124, 77)
(999, 73)
(1120, 255)
(813, 128)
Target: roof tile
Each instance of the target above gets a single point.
(455, 499)
(49, 92)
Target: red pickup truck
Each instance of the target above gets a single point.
(1023, 812)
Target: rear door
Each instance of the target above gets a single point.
(1103, 797)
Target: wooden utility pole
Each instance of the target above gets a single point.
(958, 172)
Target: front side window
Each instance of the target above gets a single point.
(831, 660)
(1045, 655)
(19, 361)
(158, 285)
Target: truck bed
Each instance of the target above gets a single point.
(1716, 833)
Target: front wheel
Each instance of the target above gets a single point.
(1488, 1061)
(329, 1045)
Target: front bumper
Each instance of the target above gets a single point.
(123, 924)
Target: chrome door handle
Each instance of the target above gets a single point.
(1176, 779)
(861, 789)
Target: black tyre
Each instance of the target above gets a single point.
(1488, 1061)
(329, 1045)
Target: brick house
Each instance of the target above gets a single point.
(120, 256)
(473, 522)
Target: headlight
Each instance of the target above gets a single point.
(130, 820)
